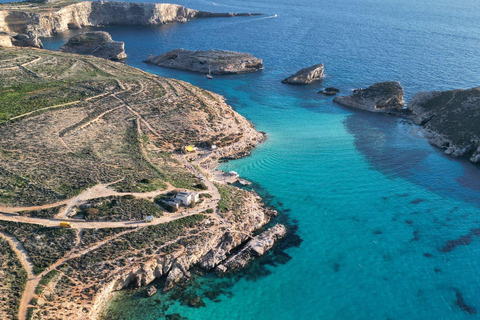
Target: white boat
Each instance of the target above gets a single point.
(209, 75)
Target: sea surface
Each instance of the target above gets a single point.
(376, 206)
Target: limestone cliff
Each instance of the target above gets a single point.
(97, 43)
(44, 21)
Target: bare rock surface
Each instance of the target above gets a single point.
(218, 61)
(306, 75)
(96, 43)
(256, 247)
(382, 97)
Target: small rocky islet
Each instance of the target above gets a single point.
(209, 61)
(306, 75)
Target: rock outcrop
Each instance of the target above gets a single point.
(450, 120)
(329, 91)
(43, 21)
(151, 291)
(256, 247)
(306, 75)
(383, 97)
(97, 43)
(5, 40)
(29, 39)
(217, 61)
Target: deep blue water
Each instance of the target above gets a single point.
(374, 203)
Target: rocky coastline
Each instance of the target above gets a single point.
(40, 21)
(382, 97)
(449, 119)
(210, 61)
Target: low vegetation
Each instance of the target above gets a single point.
(118, 209)
(13, 278)
(43, 245)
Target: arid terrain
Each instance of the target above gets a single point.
(94, 142)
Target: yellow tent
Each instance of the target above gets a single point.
(189, 149)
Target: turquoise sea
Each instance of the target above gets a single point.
(377, 208)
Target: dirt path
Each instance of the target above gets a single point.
(57, 106)
(32, 280)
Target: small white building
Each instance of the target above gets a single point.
(187, 198)
(234, 174)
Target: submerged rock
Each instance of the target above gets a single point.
(306, 75)
(386, 97)
(256, 247)
(96, 43)
(329, 91)
(218, 61)
(450, 120)
(151, 291)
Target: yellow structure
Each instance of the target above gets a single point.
(189, 149)
(65, 224)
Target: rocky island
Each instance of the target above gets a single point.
(213, 61)
(105, 141)
(306, 75)
(43, 19)
(96, 43)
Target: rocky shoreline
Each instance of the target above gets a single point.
(449, 119)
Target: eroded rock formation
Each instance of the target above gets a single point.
(386, 97)
(43, 21)
(306, 75)
(256, 247)
(97, 43)
(451, 120)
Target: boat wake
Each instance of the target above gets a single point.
(263, 18)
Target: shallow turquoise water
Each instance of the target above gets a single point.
(375, 205)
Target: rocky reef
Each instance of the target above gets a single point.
(450, 120)
(306, 75)
(383, 97)
(43, 20)
(215, 61)
(256, 247)
(96, 43)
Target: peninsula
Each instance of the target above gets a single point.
(100, 145)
